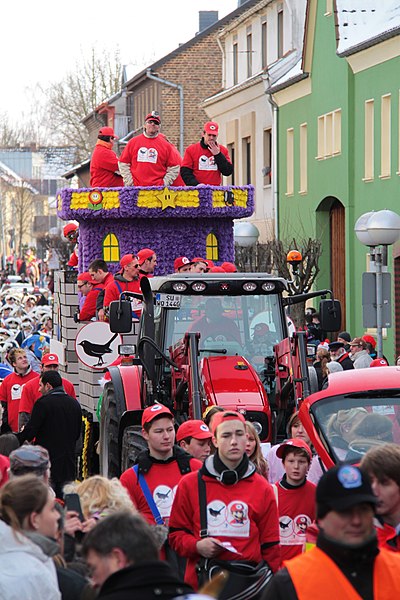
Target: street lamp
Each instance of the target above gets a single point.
(245, 234)
(378, 230)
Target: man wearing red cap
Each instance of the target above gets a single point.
(147, 259)
(161, 466)
(195, 438)
(71, 233)
(127, 280)
(31, 393)
(204, 163)
(199, 265)
(104, 162)
(99, 272)
(230, 479)
(182, 264)
(149, 158)
(88, 288)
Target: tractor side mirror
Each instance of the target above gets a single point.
(330, 315)
(120, 316)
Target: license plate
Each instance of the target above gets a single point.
(168, 300)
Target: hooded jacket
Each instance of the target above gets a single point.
(25, 570)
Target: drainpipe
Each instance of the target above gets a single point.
(179, 87)
(275, 111)
(223, 62)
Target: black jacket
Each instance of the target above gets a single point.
(355, 564)
(145, 581)
(346, 362)
(55, 423)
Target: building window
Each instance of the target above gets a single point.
(111, 248)
(264, 46)
(267, 156)
(280, 33)
(249, 48)
(369, 140)
(385, 136)
(211, 247)
(330, 134)
(235, 63)
(231, 150)
(303, 158)
(289, 162)
(328, 8)
(246, 154)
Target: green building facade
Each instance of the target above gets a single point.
(338, 147)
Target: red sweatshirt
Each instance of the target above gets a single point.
(201, 161)
(10, 394)
(244, 514)
(149, 159)
(103, 166)
(113, 292)
(296, 509)
(88, 310)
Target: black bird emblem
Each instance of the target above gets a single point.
(215, 513)
(163, 496)
(284, 525)
(97, 350)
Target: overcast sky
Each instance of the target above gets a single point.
(40, 41)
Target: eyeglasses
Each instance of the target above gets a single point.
(136, 266)
(83, 285)
(154, 122)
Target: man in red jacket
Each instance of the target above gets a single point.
(11, 388)
(127, 280)
(98, 269)
(149, 158)
(104, 162)
(204, 163)
(31, 392)
(90, 289)
(240, 506)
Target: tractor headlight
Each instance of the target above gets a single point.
(249, 286)
(179, 286)
(257, 426)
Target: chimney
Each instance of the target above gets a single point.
(207, 18)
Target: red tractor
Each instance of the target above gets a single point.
(205, 339)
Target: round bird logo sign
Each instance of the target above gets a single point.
(96, 346)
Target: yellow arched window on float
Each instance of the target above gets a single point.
(111, 248)
(212, 247)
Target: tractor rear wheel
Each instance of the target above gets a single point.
(109, 453)
(132, 444)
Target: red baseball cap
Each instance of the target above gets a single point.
(180, 262)
(69, 228)
(229, 267)
(50, 359)
(217, 270)
(211, 127)
(379, 362)
(144, 254)
(126, 260)
(221, 417)
(194, 428)
(153, 116)
(86, 276)
(294, 443)
(151, 412)
(369, 339)
(108, 131)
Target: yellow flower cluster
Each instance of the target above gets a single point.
(239, 196)
(81, 200)
(168, 197)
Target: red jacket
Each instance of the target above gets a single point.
(387, 537)
(203, 165)
(31, 394)
(103, 166)
(10, 394)
(149, 159)
(113, 292)
(244, 514)
(88, 310)
(4, 466)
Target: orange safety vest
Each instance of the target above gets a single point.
(316, 576)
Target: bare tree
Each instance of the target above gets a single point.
(23, 211)
(78, 93)
(271, 257)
